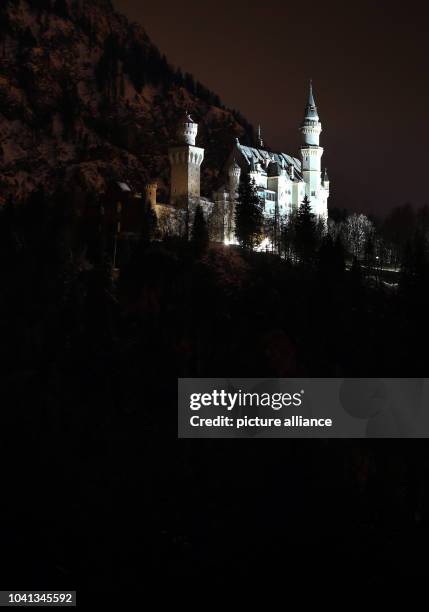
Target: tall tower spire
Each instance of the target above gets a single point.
(311, 109)
(260, 140)
(311, 154)
(311, 127)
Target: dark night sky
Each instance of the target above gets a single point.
(369, 65)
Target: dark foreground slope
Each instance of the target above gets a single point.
(99, 493)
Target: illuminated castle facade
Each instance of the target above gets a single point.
(282, 181)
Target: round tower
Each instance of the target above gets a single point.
(311, 127)
(185, 161)
(151, 189)
(234, 174)
(311, 155)
(187, 131)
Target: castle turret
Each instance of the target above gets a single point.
(234, 174)
(260, 139)
(151, 189)
(186, 160)
(187, 132)
(326, 179)
(311, 154)
(311, 127)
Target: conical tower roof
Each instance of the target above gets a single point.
(311, 108)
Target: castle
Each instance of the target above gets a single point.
(282, 181)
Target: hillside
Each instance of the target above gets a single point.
(86, 97)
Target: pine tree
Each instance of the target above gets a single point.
(248, 214)
(200, 234)
(287, 237)
(305, 233)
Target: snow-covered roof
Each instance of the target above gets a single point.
(263, 156)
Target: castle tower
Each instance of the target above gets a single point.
(185, 160)
(151, 189)
(326, 180)
(234, 173)
(260, 139)
(311, 154)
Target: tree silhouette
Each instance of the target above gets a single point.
(248, 214)
(200, 233)
(415, 265)
(287, 237)
(356, 284)
(369, 254)
(331, 259)
(305, 233)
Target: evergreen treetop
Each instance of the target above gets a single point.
(248, 214)
(305, 232)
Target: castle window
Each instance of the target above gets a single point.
(313, 193)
